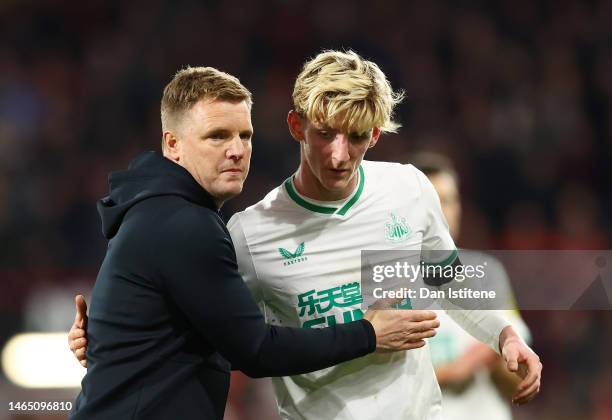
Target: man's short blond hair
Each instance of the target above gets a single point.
(191, 84)
(338, 84)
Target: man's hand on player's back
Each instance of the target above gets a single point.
(77, 337)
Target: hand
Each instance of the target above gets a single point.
(398, 330)
(455, 375)
(521, 360)
(460, 371)
(77, 337)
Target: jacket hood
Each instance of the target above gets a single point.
(149, 175)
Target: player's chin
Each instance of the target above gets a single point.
(338, 184)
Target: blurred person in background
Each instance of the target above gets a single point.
(470, 374)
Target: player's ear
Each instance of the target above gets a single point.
(375, 136)
(171, 147)
(296, 125)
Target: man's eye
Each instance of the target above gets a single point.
(324, 133)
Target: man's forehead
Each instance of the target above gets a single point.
(218, 108)
(218, 114)
(220, 104)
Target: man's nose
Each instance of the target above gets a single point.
(340, 149)
(236, 149)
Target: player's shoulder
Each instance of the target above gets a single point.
(273, 201)
(406, 175)
(380, 166)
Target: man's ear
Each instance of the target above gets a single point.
(296, 125)
(171, 147)
(375, 136)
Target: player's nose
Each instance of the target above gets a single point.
(340, 149)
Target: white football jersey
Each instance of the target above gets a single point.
(302, 260)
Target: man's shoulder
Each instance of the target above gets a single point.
(175, 216)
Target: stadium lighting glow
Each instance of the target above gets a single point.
(41, 360)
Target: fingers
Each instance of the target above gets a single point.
(426, 325)
(411, 345)
(80, 353)
(75, 333)
(80, 318)
(530, 386)
(511, 356)
(84, 363)
(527, 394)
(421, 335)
(534, 370)
(418, 315)
(78, 344)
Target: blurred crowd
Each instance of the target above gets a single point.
(518, 93)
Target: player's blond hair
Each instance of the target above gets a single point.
(342, 84)
(191, 84)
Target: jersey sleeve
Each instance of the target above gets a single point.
(483, 325)
(246, 267)
(438, 247)
(512, 314)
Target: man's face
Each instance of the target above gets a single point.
(329, 156)
(212, 140)
(448, 191)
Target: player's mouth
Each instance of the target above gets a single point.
(232, 170)
(340, 171)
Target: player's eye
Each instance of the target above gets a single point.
(359, 136)
(325, 134)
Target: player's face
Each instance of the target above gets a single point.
(213, 142)
(448, 191)
(330, 158)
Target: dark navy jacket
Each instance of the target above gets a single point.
(169, 314)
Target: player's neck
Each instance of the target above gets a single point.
(308, 185)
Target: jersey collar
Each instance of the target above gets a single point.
(297, 198)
